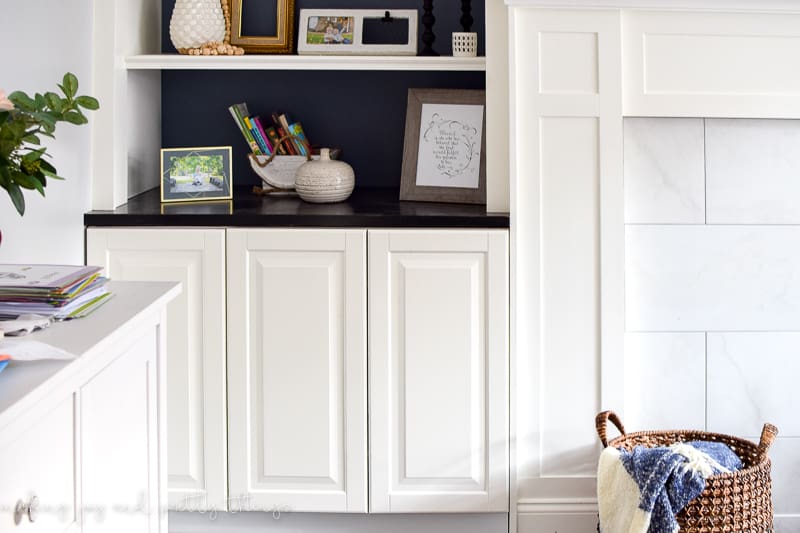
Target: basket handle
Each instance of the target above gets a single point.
(768, 435)
(601, 423)
(275, 151)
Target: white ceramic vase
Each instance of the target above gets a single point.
(196, 22)
(324, 180)
(465, 44)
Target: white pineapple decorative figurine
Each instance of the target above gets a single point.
(196, 22)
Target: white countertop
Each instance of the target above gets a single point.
(84, 337)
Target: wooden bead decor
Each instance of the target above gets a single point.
(213, 49)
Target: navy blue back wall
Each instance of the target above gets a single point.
(362, 112)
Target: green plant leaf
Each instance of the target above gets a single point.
(40, 102)
(70, 85)
(5, 177)
(33, 155)
(25, 181)
(22, 101)
(55, 102)
(44, 117)
(49, 170)
(32, 139)
(75, 117)
(16, 197)
(36, 181)
(88, 102)
(47, 167)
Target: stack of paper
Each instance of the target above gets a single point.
(58, 291)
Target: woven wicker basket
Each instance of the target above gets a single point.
(736, 502)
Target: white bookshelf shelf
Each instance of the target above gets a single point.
(296, 62)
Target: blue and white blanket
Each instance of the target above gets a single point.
(641, 491)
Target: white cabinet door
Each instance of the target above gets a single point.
(119, 457)
(438, 371)
(196, 345)
(297, 369)
(38, 465)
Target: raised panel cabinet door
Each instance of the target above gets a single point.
(438, 371)
(119, 456)
(297, 369)
(37, 466)
(196, 416)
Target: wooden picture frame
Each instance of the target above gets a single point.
(444, 153)
(346, 33)
(194, 174)
(281, 43)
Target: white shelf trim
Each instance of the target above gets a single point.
(297, 62)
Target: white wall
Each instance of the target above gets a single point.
(41, 40)
(713, 283)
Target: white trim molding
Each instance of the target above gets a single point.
(557, 506)
(730, 6)
(576, 69)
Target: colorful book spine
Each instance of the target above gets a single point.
(283, 132)
(256, 135)
(242, 126)
(236, 111)
(284, 120)
(273, 136)
(263, 134)
(303, 145)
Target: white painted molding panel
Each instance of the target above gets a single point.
(696, 64)
(117, 419)
(576, 68)
(438, 359)
(567, 252)
(32, 466)
(196, 411)
(297, 369)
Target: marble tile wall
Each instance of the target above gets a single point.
(712, 212)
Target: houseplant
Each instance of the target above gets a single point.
(24, 120)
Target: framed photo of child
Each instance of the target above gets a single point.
(193, 174)
(357, 32)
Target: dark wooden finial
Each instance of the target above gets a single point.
(427, 23)
(466, 18)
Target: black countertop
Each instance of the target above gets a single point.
(365, 208)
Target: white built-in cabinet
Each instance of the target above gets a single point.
(297, 366)
(197, 456)
(82, 439)
(577, 67)
(438, 321)
(367, 370)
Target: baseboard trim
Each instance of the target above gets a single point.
(557, 506)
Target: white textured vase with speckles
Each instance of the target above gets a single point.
(324, 181)
(196, 22)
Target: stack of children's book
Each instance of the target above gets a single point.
(264, 136)
(56, 291)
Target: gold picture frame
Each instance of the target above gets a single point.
(282, 43)
(195, 174)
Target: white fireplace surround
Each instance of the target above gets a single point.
(577, 68)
